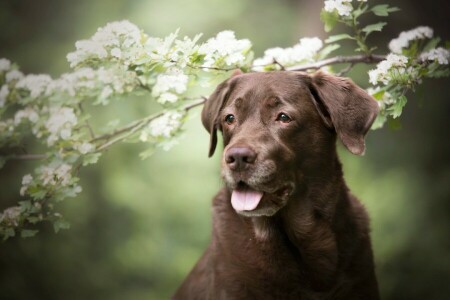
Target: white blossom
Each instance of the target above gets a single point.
(120, 39)
(440, 54)
(402, 41)
(167, 84)
(26, 180)
(27, 113)
(116, 52)
(4, 92)
(13, 75)
(60, 175)
(385, 101)
(85, 148)
(304, 51)
(35, 84)
(385, 69)
(343, 7)
(11, 215)
(224, 46)
(163, 127)
(71, 83)
(5, 64)
(60, 124)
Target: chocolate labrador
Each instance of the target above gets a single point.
(285, 226)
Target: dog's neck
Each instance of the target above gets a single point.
(308, 215)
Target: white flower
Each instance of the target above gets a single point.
(384, 71)
(169, 83)
(304, 51)
(106, 92)
(11, 215)
(60, 175)
(4, 92)
(440, 54)
(5, 64)
(71, 83)
(405, 37)
(163, 127)
(26, 180)
(13, 75)
(27, 113)
(110, 40)
(85, 148)
(386, 100)
(167, 97)
(224, 46)
(35, 84)
(343, 7)
(60, 124)
(116, 52)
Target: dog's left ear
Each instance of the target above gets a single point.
(212, 108)
(346, 107)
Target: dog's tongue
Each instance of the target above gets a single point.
(245, 199)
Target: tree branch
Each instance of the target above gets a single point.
(367, 59)
(126, 131)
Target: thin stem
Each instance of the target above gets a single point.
(367, 59)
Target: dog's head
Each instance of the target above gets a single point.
(279, 129)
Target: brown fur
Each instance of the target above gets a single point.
(308, 237)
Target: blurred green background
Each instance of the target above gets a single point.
(139, 226)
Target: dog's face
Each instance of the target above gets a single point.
(279, 128)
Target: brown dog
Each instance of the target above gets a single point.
(286, 226)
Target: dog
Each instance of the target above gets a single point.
(286, 226)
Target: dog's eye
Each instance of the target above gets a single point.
(283, 118)
(230, 119)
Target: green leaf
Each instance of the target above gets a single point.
(338, 37)
(373, 27)
(329, 19)
(7, 233)
(379, 94)
(383, 10)
(91, 158)
(359, 11)
(396, 109)
(60, 224)
(327, 50)
(379, 121)
(26, 233)
(431, 44)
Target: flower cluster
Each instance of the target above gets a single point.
(224, 50)
(342, 7)
(51, 175)
(169, 85)
(403, 40)
(117, 41)
(388, 69)
(305, 51)
(164, 126)
(439, 54)
(60, 122)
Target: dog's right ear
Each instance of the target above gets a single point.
(212, 108)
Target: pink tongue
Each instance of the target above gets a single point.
(245, 199)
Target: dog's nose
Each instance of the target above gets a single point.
(238, 158)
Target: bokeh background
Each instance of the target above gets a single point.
(139, 226)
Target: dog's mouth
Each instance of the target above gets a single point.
(244, 198)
